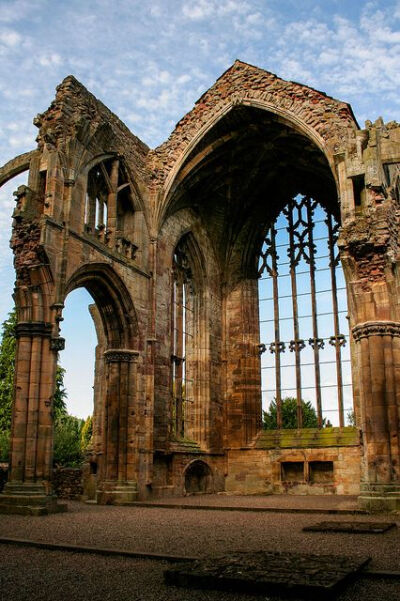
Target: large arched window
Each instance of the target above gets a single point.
(109, 209)
(303, 315)
(182, 364)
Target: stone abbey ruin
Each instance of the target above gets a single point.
(173, 244)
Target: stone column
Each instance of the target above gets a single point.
(243, 402)
(29, 487)
(119, 470)
(377, 345)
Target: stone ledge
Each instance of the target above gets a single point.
(308, 438)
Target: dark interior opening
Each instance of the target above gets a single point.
(198, 478)
(292, 471)
(321, 471)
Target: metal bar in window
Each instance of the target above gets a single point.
(306, 364)
(276, 330)
(317, 343)
(286, 275)
(270, 298)
(301, 316)
(279, 229)
(296, 347)
(307, 387)
(337, 340)
(315, 240)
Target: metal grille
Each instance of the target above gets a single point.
(303, 310)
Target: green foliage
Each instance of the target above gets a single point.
(289, 415)
(59, 406)
(86, 433)
(351, 418)
(67, 437)
(7, 358)
(4, 445)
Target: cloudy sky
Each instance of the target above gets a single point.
(149, 61)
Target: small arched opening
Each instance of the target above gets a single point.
(198, 478)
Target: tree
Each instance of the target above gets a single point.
(289, 415)
(60, 394)
(351, 418)
(7, 359)
(86, 433)
(67, 437)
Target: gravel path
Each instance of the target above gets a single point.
(40, 574)
(199, 533)
(276, 501)
(54, 576)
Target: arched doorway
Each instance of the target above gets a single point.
(198, 478)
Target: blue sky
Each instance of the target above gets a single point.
(149, 61)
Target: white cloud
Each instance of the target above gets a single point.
(47, 60)
(201, 9)
(9, 38)
(149, 62)
(18, 10)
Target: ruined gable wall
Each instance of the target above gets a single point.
(331, 121)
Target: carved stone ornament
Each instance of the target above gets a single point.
(57, 344)
(376, 328)
(120, 355)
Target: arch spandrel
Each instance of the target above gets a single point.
(327, 122)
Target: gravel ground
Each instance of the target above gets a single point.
(38, 575)
(41, 574)
(282, 501)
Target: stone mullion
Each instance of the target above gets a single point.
(296, 328)
(178, 352)
(204, 409)
(91, 216)
(112, 200)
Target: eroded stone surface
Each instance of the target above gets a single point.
(290, 574)
(351, 527)
(103, 211)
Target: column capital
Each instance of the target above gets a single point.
(33, 328)
(376, 328)
(120, 355)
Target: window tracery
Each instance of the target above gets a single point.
(109, 209)
(182, 340)
(303, 309)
